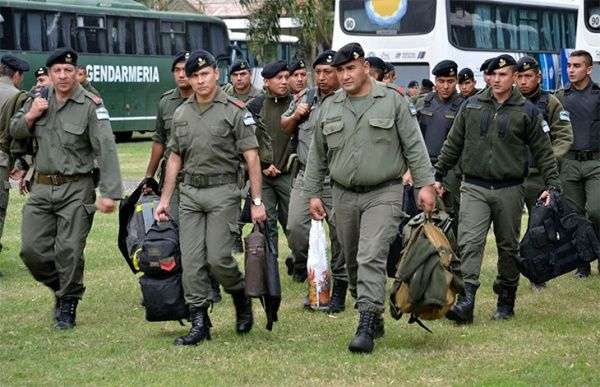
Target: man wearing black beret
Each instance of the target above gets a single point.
(240, 82)
(11, 77)
(58, 214)
(41, 77)
(561, 134)
(389, 75)
(489, 137)
(298, 78)
(436, 111)
(467, 83)
(366, 137)
(486, 74)
(377, 68)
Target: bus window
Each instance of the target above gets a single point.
(139, 37)
(412, 17)
(91, 34)
(172, 37)
(485, 26)
(218, 35)
(150, 36)
(6, 29)
(196, 36)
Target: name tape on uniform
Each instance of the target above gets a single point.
(102, 113)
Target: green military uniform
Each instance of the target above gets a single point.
(7, 91)
(253, 92)
(367, 143)
(209, 138)
(58, 214)
(491, 140)
(87, 85)
(299, 218)
(561, 137)
(435, 118)
(580, 168)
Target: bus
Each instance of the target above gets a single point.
(588, 32)
(126, 48)
(414, 35)
(286, 50)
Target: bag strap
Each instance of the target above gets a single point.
(148, 215)
(415, 319)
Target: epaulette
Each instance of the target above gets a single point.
(168, 92)
(236, 102)
(393, 87)
(97, 100)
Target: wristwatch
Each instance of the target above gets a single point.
(257, 201)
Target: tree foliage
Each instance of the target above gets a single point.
(315, 18)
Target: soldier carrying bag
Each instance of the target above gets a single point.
(558, 240)
(428, 276)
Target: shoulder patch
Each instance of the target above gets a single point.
(248, 119)
(545, 127)
(102, 113)
(564, 116)
(412, 109)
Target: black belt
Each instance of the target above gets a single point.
(583, 155)
(204, 181)
(369, 188)
(493, 184)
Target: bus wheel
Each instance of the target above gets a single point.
(123, 136)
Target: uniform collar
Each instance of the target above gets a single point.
(220, 96)
(516, 98)
(6, 80)
(535, 95)
(377, 90)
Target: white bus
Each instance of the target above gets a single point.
(414, 35)
(588, 32)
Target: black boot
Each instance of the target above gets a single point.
(67, 313)
(243, 312)
(289, 265)
(379, 328)
(200, 329)
(338, 297)
(363, 341)
(583, 271)
(56, 308)
(299, 274)
(462, 311)
(505, 308)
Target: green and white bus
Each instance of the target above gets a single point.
(126, 48)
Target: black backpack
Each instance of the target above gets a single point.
(159, 254)
(558, 240)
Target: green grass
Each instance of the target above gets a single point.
(553, 339)
(134, 156)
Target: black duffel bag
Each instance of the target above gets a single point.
(163, 298)
(558, 240)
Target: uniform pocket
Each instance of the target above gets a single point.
(72, 135)
(219, 131)
(382, 129)
(334, 135)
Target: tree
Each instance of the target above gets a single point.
(314, 16)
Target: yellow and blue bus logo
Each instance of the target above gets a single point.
(386, 13)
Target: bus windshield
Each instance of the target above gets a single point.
(491, 26)
(398, 17)
(592, 15)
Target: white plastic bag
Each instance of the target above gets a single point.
(319, 276)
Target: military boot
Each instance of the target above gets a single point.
(200, 329)
(379, 328)
(505, 308)
(462, 311)
(337, 303)
(243, 312)
(56, 308)
(363, 341)
(67, 313)
(583, 271)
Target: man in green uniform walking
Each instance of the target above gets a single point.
(71, 129)
(240, 86)
(300, 120)
(367, 136)
(490, 137)
(580, 169)
(11, 76)
(557, 119)
(436, 112)
(210, 130)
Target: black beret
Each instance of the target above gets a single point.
(62, 56)
(350, 51)
(181, 56)
(446, 68)
(500, 62)
(389, 67)
(14, 63)
(239, 66)
(41, 71)
(427, 83)
(324, 58)
(485, 65)
(465, 74)
(297, 65)
(376, 62)
(527, 63)
(272, 69)
(198, 60)
(412, 84)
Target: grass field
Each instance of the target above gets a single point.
(553, 340)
